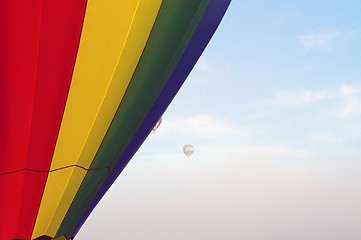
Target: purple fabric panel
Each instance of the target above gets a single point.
(202, 35)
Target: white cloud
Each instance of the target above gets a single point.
(350, 107)
(347, 90)
(351, 102)
(203, 72)
(200, 126)
(298, 97)
(221, 158)
(264, 152)
(346, 100)
(204, 66)
(323, 40)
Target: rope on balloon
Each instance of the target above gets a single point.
(49, 171)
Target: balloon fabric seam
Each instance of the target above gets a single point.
(54, 170)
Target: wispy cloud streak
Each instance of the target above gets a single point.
(323, 40)
(298, 97)
(327, 40)
(346, 99)
(201, 125)
(351, 100)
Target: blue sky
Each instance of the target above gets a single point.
(273, 110)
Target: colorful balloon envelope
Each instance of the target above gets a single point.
(188, 150)
(83, 82)
(157, 125)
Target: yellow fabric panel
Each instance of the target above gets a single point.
(60, 238)
(131, 52)
(49, 220)
(113, 38)
(114, 35)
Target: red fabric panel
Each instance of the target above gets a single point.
(19, 204)
(38, 46)
(19, 31)
(61, 25)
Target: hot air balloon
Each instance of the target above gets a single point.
(83, 82)
(188, 150)
(157, 125)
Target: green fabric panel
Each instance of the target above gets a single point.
(169, 38)
(164, 48)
